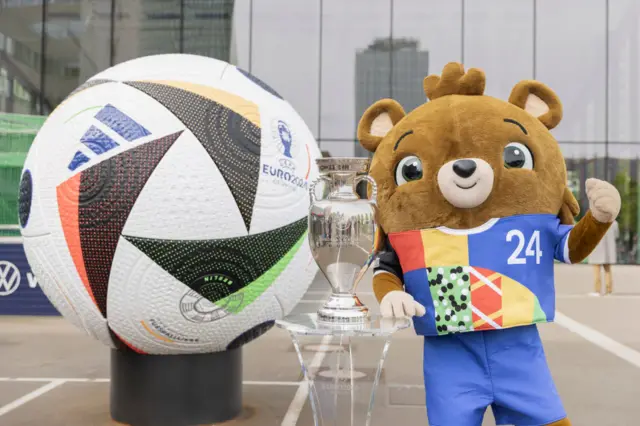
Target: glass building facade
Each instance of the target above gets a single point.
(332, 58)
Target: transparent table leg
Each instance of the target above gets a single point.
(376, 380)
(313, 395)
(329, 380)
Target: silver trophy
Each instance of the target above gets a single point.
(342, 235)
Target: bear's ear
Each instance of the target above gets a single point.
(377, 121)
(538, 100)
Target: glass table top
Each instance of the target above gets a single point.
(375, 325)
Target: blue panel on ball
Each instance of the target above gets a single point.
(78, 160)
(121, 123)
(24, 200)
(259, 82)
(97, 141)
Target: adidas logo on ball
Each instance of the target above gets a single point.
(99, 142)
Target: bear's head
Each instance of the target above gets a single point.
(464, 158)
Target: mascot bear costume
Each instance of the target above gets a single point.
(474, 208)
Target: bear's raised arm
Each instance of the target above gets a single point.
(604, 206)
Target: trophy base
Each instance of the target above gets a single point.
(343, 308)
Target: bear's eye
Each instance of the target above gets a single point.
(517, 156)
(408, 169)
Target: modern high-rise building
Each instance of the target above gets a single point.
(390, 68)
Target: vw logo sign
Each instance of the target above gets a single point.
(9, 278)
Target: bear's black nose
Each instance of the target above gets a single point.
(464, 168)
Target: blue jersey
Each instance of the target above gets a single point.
(498, 275)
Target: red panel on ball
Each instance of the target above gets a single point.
(68, 194)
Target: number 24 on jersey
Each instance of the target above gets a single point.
(532, 251)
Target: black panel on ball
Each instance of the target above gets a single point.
(175, 390)
(231, 140)
(251, 334)
(239, 261)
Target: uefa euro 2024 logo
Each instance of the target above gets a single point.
(284, 173)
(285, 138)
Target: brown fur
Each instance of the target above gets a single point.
(570, 208)
(585, 237)
(461, 122)
(458, 126)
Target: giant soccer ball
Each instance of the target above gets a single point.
(164, 204)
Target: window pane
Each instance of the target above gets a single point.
(435, 27)
(20, 57)
(240, 34)
(77, 45)
(172, 26)
(355, 62)
(339, 148)
(624, 174)
(571, 60)
(207, 28)
(435, 24)
(285, 52)
(624, 69)
(146, 28)
(498, 37)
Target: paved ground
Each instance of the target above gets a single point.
(593, 350)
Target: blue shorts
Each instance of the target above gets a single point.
(506, 369)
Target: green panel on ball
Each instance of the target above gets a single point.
(217, 269)
(254, 290)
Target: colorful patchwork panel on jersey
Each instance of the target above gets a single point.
(450, 290)
(496, 276)
(486, 299)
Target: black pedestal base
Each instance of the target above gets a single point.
(175, 390)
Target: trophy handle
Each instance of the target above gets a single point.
(312, 188)
(374, 186)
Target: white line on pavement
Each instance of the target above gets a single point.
(102, 380)
(30, 396)
(609, 296)
(599, 339)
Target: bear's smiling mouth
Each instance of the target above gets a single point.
(467, 187)
(466, 190)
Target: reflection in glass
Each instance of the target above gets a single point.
(621, 169)
(437, 27)
(144, 27)
(207, 28)
(623, 68)
(77, 45)
(285, 52)
(20, 57)
(390, 68)
(151, 27)
(498, 38)
(574, 65)
(347, 28)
